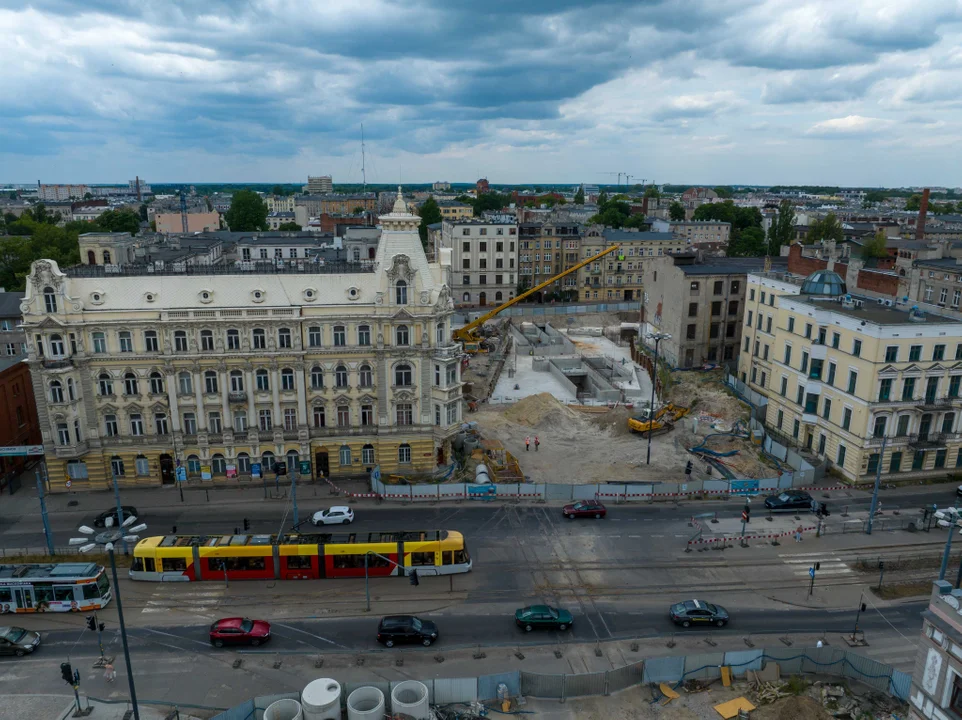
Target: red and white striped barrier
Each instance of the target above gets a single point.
(767, 536)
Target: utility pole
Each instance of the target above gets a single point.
(120, 509)
(294, 494)
(858, 612)
(43, 514)
(878, 480)
(657, 337)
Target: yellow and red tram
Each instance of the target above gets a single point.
(298, 556)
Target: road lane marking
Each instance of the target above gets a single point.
(311, 634)
(176, 637)
(657, 536)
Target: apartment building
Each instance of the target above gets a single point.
(276, 219)
(12, 340)
(320, 184)
(196, 222)
(936, 692)
(700, 304)
(484, 259)
(61, 192)
(454, 210)
(279, 203)
(316, 205)
(18, 412)
(850, 374)
(939, 281)
(228, 372)
(618, 276)
(697, 233)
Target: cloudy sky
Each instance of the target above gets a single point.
(850, 92)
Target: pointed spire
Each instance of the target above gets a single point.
(399, 205)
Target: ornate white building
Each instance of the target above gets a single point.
(221, 370)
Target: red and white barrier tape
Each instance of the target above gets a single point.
(769, 536)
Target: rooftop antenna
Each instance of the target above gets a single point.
(363, 170)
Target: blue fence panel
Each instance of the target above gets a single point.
(705, 666)
(664, 669)
(488, 684)
(244, 711)
(744, 487)
(900, 685)
(741, 661)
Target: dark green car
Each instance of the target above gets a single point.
(542, 617)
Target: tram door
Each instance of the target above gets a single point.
(24, 598)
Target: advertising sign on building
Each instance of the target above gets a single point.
(231, 471)
(205, 473)
(255, 471)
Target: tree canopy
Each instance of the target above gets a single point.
(875, 196)
(652, 192)
(31, 240)
(616, 213)
(122, 220)
(748, 242)
(580, 196)
(876, 247)
(430, 213)
(827, 228)
(247, 212)
(676, 211)
(782, 230)
(723, 192)
(739, 217)
(289, 227)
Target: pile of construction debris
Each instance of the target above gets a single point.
(798, 700)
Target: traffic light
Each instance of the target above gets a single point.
(414, 578)
(881, 564)
(173, 530)
(747, 513)
(688, 468)
(101, 627)
(247, 524)
(66, 672)
(91, 622)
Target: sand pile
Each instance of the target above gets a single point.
(704, 391)
(792, 708)
(542, 411)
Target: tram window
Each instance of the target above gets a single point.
(447, 557)
(346, 562)
(461, 557)
(174, 564)
(241, 564)
(103, 584)
(42, 594)
(137, 565)
(422, 558)
(299, 562)
(63, 594)
(91, 592)
(6, 595)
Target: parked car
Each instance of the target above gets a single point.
(958, 491)
(698, 612)
(789, 500)
(17, 641)
(584, 508)
(337, 515)
(239, 631)
(538, 617)
(396, 629)
(101, 520)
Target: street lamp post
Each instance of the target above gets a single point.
(120, 508)
(106, 540)
(657, 337)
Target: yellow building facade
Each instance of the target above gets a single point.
(847, 376)
(342, 368)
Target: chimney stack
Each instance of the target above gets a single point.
(923, 210)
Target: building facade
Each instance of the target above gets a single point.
(316, 205)
(62, 192)
(12, 340)
(196, 222)
(850, 375)
(937, 679)
(320, 184)
(276, 219)
(484, 260)
(231, 372)
(618, 276)
(18, 412)
(454, 210)
(279, 203)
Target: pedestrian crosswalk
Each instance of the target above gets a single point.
(828, 564)
(200, 603)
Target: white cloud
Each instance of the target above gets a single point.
(850, 124)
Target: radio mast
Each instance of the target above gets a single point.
(363, 171)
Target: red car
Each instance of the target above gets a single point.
(236, 631)
(584, 508)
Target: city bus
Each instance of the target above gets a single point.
(298, 556)
(64, 587)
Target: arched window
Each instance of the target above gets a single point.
(340, 336)
(367, 454)
(106, 384)
(466, 297)
(236, 381)
(156, 383)
(193, 465)
(243, 464)
(56, 392)
(240, 421)
(100, 342)
(284, 338)
(180, 341)
(317, 378)
(402, 375)
(441, 338)
(314, 336)
(344, 455)
(498, 296)
(364, 335)
(218, 465)
(56, 346)
(233, 339)
(210, 382)
(367, 377)
(404, 453)
(293, 458)
(206, 340)
(267, 462)
(186, 383)
(401, 293)
(401, 335)
(91, 257)
(116, 462)
(340, 376)
(49, 300)
(131, 386)
(77, 470)
(71, 390)
(259, 340)
(287, 379)
(106, 257)
(262, 379)
(320, 418)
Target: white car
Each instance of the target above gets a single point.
(338, 515)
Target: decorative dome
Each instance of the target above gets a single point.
(824, 282)
(399, 205)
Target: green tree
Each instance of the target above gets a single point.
(747, 242)
(676, 211)
(118, 221)
(652, 192)
(602, 198)
(358, 210)
(430, 213)
(13, 195)
(580, 195)
(289, 227)
(277, 190)
(827, 228)
(914, 202)
(876, 247)
(247, 212)
(88, 196)
(490, 201)
(16, 254)
(39, 213)
(782, 229)
(723, 192)
(875, 196)
(142, 211)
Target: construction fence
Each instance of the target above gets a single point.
(674, 670)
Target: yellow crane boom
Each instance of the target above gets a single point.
(467, 334)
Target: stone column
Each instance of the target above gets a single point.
(172, 399)
(299, 381)
(224, 390)
(251, 410)
(198, 375)
(276, 395)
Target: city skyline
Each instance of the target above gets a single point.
(727, 93)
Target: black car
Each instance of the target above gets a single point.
(698, 612)
(129, 511)
(789, 500)
(396, 629)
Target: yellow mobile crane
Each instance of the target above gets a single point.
(469, 335)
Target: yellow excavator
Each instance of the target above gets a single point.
(469, 333)
(663, 421)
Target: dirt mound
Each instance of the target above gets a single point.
(792, 708)
(542, 411)
(706, 393)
